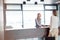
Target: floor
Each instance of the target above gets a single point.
(35, 39)
(59, 38)
(31, 39)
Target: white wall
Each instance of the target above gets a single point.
(31, 2)
(1, 20)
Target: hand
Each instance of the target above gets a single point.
(49, 26)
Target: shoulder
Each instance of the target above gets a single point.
(52, 16)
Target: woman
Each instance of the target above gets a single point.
(54, 25)
(38, 23)
(38, 20)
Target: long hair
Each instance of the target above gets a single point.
(38, 16)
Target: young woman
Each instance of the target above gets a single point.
(54, 25)
(38, 20)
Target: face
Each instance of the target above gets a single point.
(54, 13)
(39, 15)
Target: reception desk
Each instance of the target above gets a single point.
(25, 33)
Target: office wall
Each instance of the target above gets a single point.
(1, 21)
(32, 1)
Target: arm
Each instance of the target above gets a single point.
(50, 22)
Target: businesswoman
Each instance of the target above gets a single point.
(38, 20)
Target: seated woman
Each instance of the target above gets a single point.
(38, 24)
(38, 20)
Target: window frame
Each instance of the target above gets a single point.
(50, 5)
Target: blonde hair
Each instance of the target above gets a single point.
(38, 16)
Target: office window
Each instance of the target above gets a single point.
(48, 15)
(14, 19)
(33, 7)
(24, 16)
(15, 7)
(29, 18)
(51, 7)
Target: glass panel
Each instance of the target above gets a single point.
(14, 19)
(14, 7)
(29, 18)
(48, 15)
(33, 7)
(50, 7)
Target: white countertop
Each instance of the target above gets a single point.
(26, 28)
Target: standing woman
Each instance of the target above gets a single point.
(38, 20)
(54, 25)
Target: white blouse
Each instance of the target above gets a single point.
(54, 22)
(38, 23)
